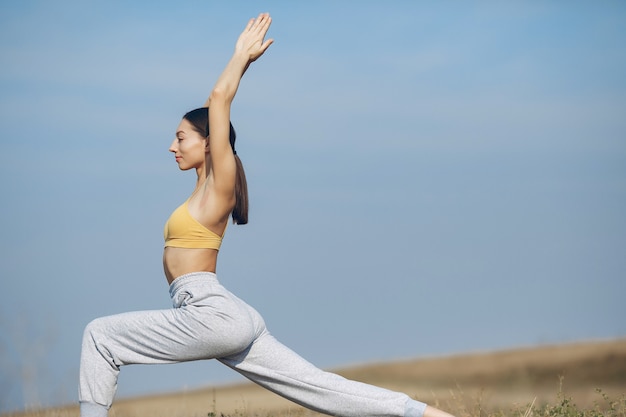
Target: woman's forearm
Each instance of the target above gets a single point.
(228, 82)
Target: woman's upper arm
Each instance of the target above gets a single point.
(220, 152)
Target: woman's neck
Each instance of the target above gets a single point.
(202, 172)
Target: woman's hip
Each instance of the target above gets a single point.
(200, 295)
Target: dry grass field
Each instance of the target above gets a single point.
(564, 378)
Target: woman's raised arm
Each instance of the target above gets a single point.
(249, 47)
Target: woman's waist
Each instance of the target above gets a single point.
(180, 261)
(192, 279)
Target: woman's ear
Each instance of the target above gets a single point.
(206, 145)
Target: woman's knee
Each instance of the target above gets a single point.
(92, 328)
(96, 342)
(95, 332)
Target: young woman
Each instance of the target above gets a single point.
(207, 321)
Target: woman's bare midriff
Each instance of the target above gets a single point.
(181, 261)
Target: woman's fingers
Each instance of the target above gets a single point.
(262, 22)
(260, 25)
(252, 38)
(249, 25)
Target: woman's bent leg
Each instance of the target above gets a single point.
(110, 342)
(277, 368)
(208, 322)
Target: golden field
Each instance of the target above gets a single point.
(475, 384)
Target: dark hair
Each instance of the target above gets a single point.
(199, 119)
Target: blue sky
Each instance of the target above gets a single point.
(426, 178)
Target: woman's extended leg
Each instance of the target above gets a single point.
(277, 368)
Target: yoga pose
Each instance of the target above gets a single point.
(207, 321)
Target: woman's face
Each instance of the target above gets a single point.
(188, 147)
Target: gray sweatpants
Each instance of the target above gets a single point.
(208, 322)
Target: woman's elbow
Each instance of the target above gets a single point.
(219, 96)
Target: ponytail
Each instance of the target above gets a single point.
(240, 212)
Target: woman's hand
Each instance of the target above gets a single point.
(251, 42)
(249, 47)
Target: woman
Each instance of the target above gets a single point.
(207, 321)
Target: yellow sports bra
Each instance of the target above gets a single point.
(183, 231)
